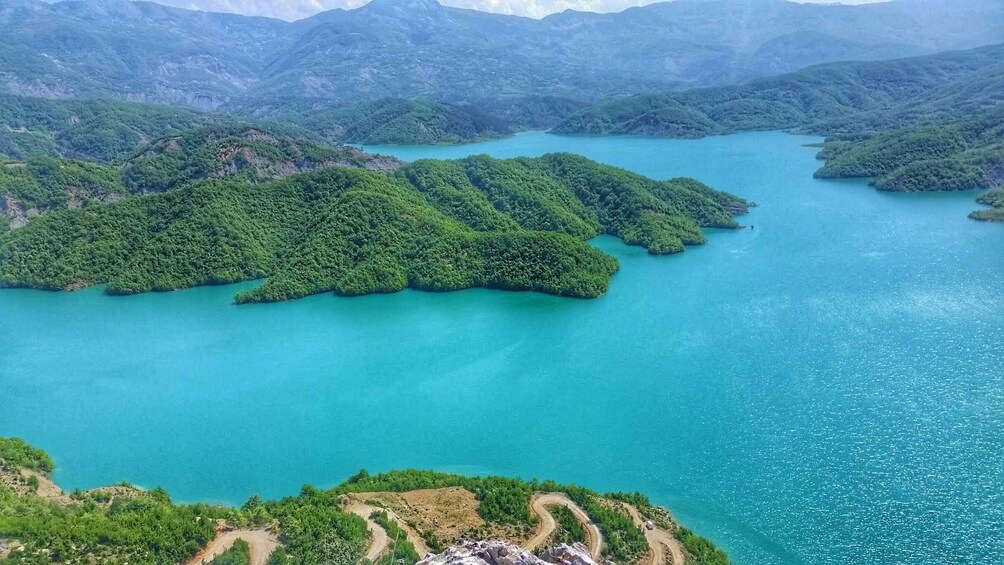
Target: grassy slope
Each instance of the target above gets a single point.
(516, 224)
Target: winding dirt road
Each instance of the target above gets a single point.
(658, 540)
(260, 542)
(547, 525)
(381, 542)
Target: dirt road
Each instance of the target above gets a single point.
(658, 540)
(260, 542)
(381, 542)
(547, 525)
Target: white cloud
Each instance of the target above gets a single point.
(297, 9)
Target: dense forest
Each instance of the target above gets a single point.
(836, 98)
(518, 224)
(962, 154)
(253, 153)
(918, 124)
(109, 131)
(404, 121)
(123, 524)
(43, 184)
(959, 154)
(995, 199)
(388, 121)
(90, 130)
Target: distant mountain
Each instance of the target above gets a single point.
(419, 49)
(92, 130)
(137, 51)
(836, 98)
(399, 120)
(391, 120)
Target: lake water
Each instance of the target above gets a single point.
(826, 388)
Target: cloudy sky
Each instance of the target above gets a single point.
(296, 9)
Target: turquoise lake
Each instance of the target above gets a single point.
(825, 388)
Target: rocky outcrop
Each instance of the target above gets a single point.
(15, 213)
(505, 553)
(8, 547)
(483, 553)
(569, 554)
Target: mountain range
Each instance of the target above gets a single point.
(143, 51)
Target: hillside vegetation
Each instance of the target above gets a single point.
(388, 121)
(837, 98)
(962, 154)
(254, 153)
(919, 124)
(90, 130)
(518, 224)
(43, 184)
(119, 525)
(411, 122)
(995, 199)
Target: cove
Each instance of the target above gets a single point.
(825, 388)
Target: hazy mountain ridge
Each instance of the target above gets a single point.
(835, 98)
(420, 49)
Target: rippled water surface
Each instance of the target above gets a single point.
(826, 388)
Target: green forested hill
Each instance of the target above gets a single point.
(392, 120)
(480, 222)
(995, 199)
(962, 154)
(91, 130)
(919, 124)
(400, 121)
(956, 154)
(44, 184)
(827, 99)
(252, 152)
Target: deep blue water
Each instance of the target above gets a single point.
(826, 388)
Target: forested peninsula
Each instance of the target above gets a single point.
(960, 154)
(516, 224)
(420, 510)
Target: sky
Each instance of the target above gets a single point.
(297, 9)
